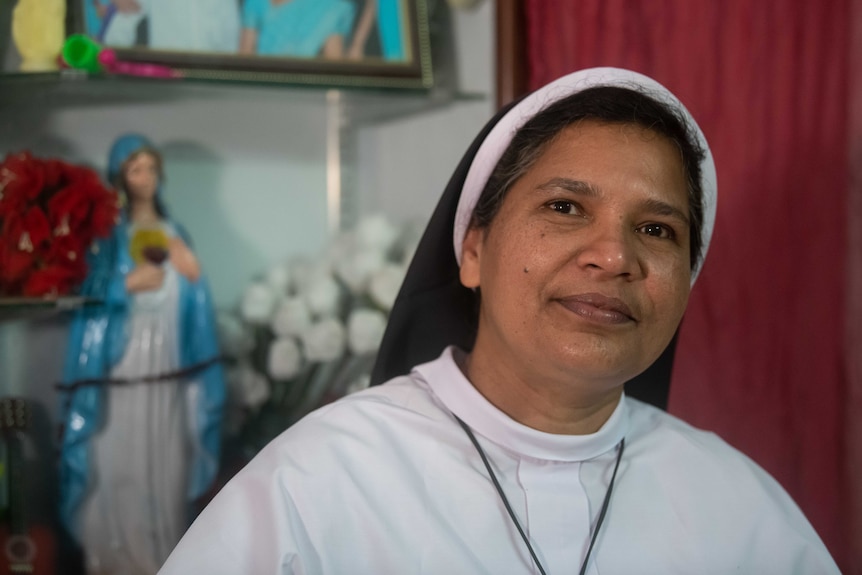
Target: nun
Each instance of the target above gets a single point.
(519, 425)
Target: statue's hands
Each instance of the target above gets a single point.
(145, 277)
(184, 260)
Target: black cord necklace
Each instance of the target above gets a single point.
(505, 500)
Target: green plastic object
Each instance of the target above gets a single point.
(82, 52)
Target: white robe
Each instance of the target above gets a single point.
(385, 481)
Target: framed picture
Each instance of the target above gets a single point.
(382, 43)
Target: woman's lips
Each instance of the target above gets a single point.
(599, 308)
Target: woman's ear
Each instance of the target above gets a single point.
(471, 257)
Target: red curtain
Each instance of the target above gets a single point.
(761, 358)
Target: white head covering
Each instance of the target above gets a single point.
(501, 135)
(434, 310)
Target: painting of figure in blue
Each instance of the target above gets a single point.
(350, 30)
(189, 25)
(323, 28)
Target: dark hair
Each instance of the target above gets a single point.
(609, 104)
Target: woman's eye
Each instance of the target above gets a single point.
(657, 231)
(564, 207)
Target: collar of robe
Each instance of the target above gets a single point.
(600, 519)
(460, 397)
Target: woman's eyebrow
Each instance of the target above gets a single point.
(581, 188)
(575, 186)
(662, 208)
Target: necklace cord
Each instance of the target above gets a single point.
(500, 491)
(604, 510)
(515, 521)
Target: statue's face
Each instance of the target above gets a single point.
(141, 176)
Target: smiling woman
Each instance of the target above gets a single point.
(579, 218)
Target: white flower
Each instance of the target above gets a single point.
(292, 317)
(304, 272)
(234, 338)
(258, 303)
(340, 246)
(365, 329)
(324, 340)
(278, 278)
(385, 284)
(285, 359)
(376, 232)
(323, 296)
(356, 268)
(250, 388)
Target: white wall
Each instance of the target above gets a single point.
(406, 164)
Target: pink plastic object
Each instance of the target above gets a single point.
(108, 59)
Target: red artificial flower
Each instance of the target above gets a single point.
(83, 206)
(29, 231)
(66, 250)
(52, 281)
(22, 176)
(69, 207)
(50, 213)
(14, 266)
(54, 173)
(105, 215)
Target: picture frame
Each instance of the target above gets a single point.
(336, 43)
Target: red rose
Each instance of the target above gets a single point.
(23, 177)
(29, 231)
(54, 173)
(70, 205)
(14, 265)
(66, 250)
(84, 206)
(50, 212)
(105, 215)
(52, 281)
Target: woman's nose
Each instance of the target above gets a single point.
(610, 251)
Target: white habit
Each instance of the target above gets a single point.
(385, 481)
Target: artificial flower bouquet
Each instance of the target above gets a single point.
(50, 213)
(307, 331)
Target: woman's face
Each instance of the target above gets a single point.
(141, 175)
(584, 272)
